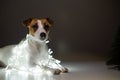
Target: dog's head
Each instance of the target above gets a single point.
(39, 28)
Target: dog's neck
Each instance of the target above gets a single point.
(35, 43)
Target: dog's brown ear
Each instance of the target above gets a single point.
(27, 22)
(50, 21)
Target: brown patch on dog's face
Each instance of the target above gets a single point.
(47, 23)
(33, 26)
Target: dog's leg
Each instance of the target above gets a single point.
(58, 71)
(46, 68)
(55, 64)
(54, 71)
(65, 70)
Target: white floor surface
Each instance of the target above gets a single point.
(77, 71)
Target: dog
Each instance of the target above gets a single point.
(32, 51)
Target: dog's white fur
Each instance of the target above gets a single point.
(29, 53)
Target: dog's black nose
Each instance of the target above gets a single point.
(43, 35)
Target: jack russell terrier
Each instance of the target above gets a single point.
(32, 51)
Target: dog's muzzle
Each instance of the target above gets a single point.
(42, 36)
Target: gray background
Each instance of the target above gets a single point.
(80, 26)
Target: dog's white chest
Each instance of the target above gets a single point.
(29, 53)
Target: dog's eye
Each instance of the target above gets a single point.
(46, 27)
(35, 27)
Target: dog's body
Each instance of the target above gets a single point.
(32, 51)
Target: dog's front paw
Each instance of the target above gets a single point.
(57, 71)
(65, 70)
